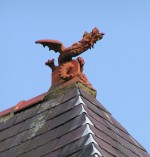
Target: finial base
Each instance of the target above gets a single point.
(69, 73)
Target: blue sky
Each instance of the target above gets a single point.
(118, 67)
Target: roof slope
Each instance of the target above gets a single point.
(72, 125)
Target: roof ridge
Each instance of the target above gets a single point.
(23, 104)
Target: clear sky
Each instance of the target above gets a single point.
(118, 66)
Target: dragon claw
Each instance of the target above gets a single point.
(81, 61)
(49, 62)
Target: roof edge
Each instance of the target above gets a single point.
(23, 104)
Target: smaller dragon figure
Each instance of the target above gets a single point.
(66, 54)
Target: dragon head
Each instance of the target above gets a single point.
(92, 37)
(95, 36)
(96, 33)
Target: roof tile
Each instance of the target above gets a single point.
(70, 137)
(73, 147)
(95, 116)
(28, 154)
(74, 92)
(53, 154)
(21, 148)
(61, 108)
(93, 100)
(45, 149)
(87, 151)
(12, 131)
(8, 123)
(107, 147)
(95, 109)
(63, 118)
(28, 113)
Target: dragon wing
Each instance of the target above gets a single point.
(55, 45)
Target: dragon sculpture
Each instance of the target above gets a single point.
(66, 54)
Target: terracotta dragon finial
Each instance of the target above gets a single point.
(66, 65)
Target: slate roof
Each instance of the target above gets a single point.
(74, 124)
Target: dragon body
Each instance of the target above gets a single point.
(66, 54)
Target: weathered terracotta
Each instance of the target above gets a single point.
(69, 69)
